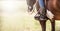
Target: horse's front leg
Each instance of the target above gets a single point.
(43, 24)
(53, 25)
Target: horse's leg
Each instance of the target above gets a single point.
(53, 25)
(43, 24)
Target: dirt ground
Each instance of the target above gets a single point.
(14, 17)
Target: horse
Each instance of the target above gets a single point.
(53, 7)
(30, 4)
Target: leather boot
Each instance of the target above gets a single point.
(43, 14)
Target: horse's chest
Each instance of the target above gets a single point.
(50, 15)
(54, 7)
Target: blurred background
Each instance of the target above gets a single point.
(14, 17)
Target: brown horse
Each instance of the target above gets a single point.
(53, 7)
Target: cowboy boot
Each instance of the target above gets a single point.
(42, 9)
(42, 14)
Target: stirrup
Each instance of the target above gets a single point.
(43, 19)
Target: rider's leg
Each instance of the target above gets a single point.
(42, 10)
